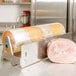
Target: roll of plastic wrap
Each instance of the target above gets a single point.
(19, 36)
(62, 50)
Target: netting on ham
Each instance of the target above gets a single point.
(62, 50)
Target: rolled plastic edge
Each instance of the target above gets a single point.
(8, 33)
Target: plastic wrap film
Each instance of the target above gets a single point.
(20, 36)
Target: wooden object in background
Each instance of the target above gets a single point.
(25, 0)
(1, 1)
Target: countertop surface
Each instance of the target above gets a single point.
(43, 68)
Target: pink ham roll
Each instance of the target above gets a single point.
(61, 51)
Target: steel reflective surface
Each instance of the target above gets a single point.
(48, 11)
(74, 21)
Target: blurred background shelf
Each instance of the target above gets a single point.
(8, 25)
(10, 3)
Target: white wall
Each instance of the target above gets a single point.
(10, 13)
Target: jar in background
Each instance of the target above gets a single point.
(24, 18)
